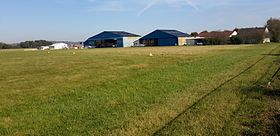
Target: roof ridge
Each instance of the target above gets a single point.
(171, 32)
(167, 30)
(251, 28)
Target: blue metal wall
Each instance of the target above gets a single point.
(164, 39)
(120, 42)
(168, 42)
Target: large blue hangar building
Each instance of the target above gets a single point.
(164, 38)
(112, 39)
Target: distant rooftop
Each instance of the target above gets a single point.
(216, 34)
(250, 30)
(253, 30)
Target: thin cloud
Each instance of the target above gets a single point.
(175, 3)
(193, 5)
(151, 4)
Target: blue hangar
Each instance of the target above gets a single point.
(112, 39)
(164, 38)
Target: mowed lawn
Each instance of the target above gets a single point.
(128, 92)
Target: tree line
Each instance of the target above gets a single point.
(34, 44)
(5, 46)
(26, 44)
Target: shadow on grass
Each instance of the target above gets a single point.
(272, 54)
(257, 98)
(277, 124)
(272, 93)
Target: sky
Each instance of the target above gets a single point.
(76, 20)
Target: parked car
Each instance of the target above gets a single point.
(90, 47)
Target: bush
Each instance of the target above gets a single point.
(215, 41)
(235, 40)
(6, 46)
(34, 44)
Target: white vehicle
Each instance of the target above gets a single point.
(44, 48)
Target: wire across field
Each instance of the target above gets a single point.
(214, 90)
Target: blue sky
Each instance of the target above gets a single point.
(76, 20)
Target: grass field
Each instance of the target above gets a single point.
(214, 90)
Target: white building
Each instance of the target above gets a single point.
(138, 44)
(58, 46)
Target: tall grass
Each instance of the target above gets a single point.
(121, 91)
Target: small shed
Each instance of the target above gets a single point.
(164, 38)
(112, 39)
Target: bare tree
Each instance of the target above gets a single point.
(273, 25)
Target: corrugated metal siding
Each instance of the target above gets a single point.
(157, 35)
(168, 42)
(120, 42)
(166, 37)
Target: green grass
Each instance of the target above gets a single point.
(127, 92)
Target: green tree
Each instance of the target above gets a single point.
(194, 34)
(215, 41)
(235, 40)
(273, 25)
(4, 46)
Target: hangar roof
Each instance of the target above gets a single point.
(160, 34)
(112, 35)
(175, 33)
